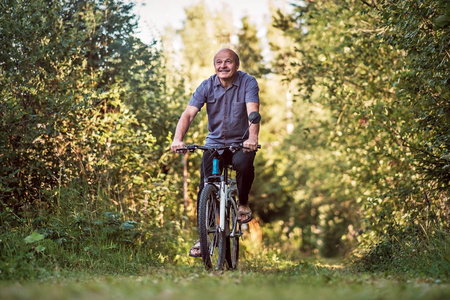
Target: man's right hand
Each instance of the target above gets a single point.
(177, 145)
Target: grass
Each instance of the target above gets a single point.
(283, 280)
(96, 260)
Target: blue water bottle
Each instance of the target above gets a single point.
(216, 169)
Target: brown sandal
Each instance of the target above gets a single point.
(246, 212)
(195, 250)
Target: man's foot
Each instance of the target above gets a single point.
(244, 214)
(195, 250)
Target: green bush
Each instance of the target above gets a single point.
(413, 252)
(105, 244)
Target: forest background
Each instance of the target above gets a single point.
(355, 136)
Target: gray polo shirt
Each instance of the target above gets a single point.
(226, 108)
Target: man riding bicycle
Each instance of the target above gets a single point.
(230, 96)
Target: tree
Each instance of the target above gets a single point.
(200, 42)
(422, 31)
(75, 86)
(250, 50)
(348, 65)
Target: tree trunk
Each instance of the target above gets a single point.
(185, 182)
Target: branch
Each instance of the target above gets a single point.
(374, 4)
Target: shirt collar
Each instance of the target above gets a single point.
(236, 80)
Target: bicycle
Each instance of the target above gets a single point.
(219, 229)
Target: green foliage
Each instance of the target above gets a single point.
(375, 77)
(201, 45)
(422, 84)
(84, 118)
(413, 251)
(78, 109)
(355, 143)
(85, 243)
(250, 50)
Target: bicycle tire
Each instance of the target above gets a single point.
(232, 243)
(212, 245)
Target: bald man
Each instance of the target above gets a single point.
(230, 96)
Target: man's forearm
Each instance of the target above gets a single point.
(253, 132)
(183, 124)
(182, 128)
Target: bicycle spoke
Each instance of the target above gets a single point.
(211, 239)
(232, 243)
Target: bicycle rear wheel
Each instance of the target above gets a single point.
(212, 244)
(232, 243)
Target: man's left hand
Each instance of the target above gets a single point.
(250, 145)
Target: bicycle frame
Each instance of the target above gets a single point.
(219, 229)
(224, 191)
(221, 182)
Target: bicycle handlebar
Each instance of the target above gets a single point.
(233, 147)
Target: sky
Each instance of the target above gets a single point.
(156, 15)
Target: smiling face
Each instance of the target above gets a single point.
(226, 64)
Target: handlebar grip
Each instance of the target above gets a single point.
(243, 147)
(191, 148)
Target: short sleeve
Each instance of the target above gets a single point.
(251, 90)
(200, 95)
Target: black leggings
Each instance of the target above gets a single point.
(245, 171)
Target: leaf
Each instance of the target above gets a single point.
(34, 237)
(442, 21)
(128, 225)
(446, 156)
(39, 248)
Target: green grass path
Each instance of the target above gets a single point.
(285, 280)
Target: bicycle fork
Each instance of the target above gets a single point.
(223, 202)
(223, 193)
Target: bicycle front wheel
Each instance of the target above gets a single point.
(212, 239)
(232, 243)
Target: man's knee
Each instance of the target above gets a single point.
(243, 161)
(245, 168)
